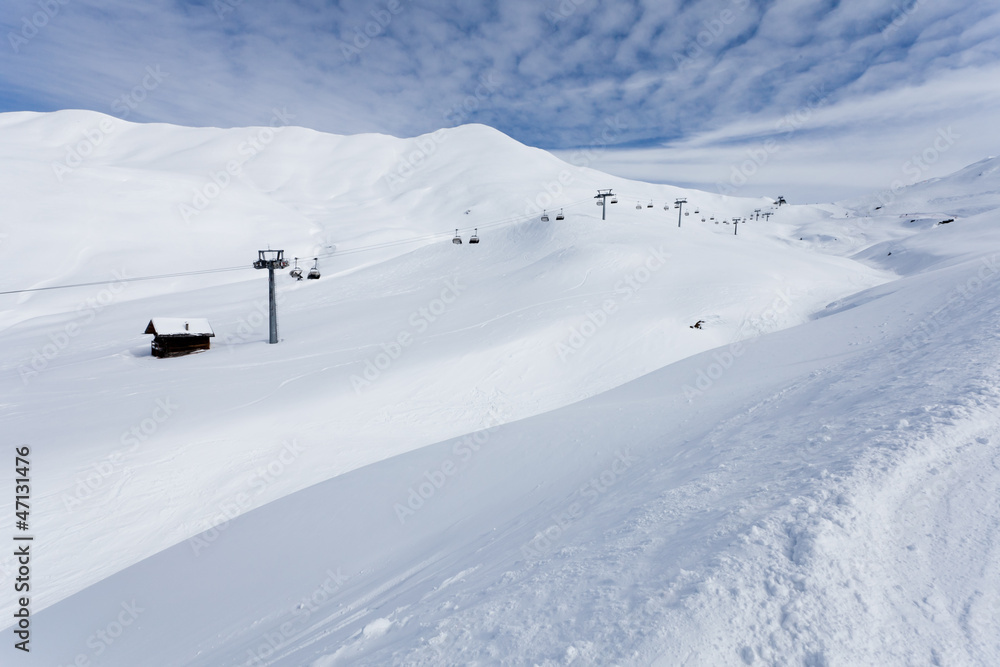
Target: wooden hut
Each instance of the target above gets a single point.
(175, 336)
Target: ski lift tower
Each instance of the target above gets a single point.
(271, 260)
(603, 196)
(679, 205)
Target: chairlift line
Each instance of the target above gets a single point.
(183, 274)
(128, 280)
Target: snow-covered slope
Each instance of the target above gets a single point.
(642, 489)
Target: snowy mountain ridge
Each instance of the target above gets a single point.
(555, 467)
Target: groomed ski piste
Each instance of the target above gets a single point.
(515, 452)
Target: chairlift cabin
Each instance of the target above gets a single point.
(545, 216)
(600, 203)
(696, 211)
(296, 272)
(314, 271)
(560, 216)
(614, 200)
(458, 239)
(638, 206)
(650, 204)
(475, 236)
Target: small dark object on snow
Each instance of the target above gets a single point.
(889, 254)
(697, 325)
(945, 222)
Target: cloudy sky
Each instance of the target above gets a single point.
(813, 99)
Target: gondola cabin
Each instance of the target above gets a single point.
(177, 336)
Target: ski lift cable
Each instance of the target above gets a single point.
(127, 280)
(442, 235)
(375, 246)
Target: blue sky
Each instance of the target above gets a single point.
(819, 99)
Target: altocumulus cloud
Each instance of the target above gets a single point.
(696, 84)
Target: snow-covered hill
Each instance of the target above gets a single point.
(518, 451)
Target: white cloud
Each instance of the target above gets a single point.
(692, 75)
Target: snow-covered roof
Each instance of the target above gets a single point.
(179, 326)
